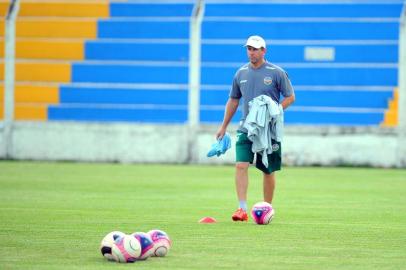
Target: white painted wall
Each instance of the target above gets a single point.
(98, 142)
(142, 143)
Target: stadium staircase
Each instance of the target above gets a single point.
(128, 61)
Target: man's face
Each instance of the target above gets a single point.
(255, 55)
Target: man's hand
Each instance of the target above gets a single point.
(287, 101)
(220, 133)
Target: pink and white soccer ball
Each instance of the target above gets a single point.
(147, 245)
(107, 244)
(262, 213)
(126, 249)
(162, 243)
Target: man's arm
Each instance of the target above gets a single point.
(287, 101)
(231, 108)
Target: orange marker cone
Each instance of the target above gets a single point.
(207, 220)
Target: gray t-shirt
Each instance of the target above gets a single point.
(269, 79)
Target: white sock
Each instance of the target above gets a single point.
(243, 205)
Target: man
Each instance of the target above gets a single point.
(258, 77)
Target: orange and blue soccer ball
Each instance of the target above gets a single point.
(162, 243)
(262, 213)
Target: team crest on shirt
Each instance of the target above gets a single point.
(275, 147)
(267, 80)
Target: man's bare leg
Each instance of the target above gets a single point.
(269, 187)
(241, 186)
(241, 180)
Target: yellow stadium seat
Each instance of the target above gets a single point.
(31, 101)
(34, 94)
(54, 28)
(66, 8)
(391, 114)
(41, 71)
(3, 8)
(47, 49)
(31, 112)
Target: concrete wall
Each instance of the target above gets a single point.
(97, 142)
(332, 146)
(169, 144)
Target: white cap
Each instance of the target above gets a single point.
(255, 41)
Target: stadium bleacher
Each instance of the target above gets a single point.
(128, 61)
(350, 88)
(49, 36)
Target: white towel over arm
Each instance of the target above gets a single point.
(264, 122)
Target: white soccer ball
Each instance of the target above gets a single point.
(162, 243)
(107, 243)
(126, 249)
(147, 245)
(262, 213)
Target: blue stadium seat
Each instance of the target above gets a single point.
(334, 118)
(110, 95)
(301, 9)
(128, 9)
(116, 114)
(129, 73)
(315, 75)
(143, 28)
(345, 98)
(131, 50)
(375, 52)
(310, 117)
(220, 28)
(179, 51)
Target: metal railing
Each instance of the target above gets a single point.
(402, 90)
(194, 78)
(9, 74)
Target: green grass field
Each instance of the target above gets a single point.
(54, 215)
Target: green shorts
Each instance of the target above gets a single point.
(244, 154)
